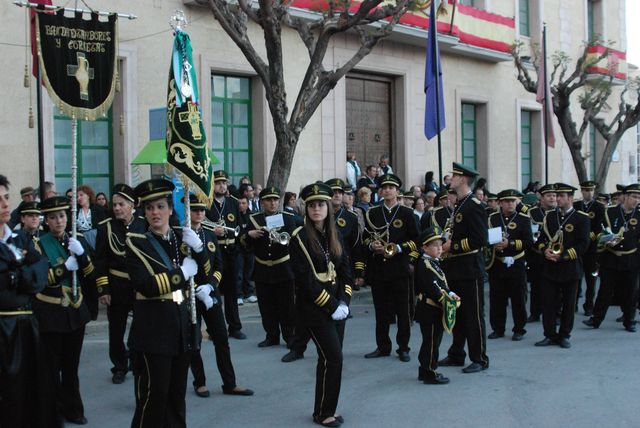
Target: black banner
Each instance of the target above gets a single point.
(78, 62)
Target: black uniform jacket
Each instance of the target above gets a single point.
(20, 280)
(56, 309)
(517, 230)
(214, 267)
(161, 320)
(465, 259)
(439, 217)
(534, 257)
(318, 292)
(595, 210)
(111, 265)
(575, 228)
(349, 229)
(430, 283)
(402, 230)
(624, 256)
(229, 212)
(272, 259)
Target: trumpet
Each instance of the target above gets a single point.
(390, 249)
(276, 237)
(222, 224)
(556, 244)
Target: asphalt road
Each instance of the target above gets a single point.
(595, 383)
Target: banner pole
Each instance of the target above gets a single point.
(187, 223)
(74, 195)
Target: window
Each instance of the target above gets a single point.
(591, 32)
(469, 135)
(592, 151)
(95, 153)
(230, 136)
(523, 16)
(525, 148)
(467, 2)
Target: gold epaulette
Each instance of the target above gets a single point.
(583, 213)
(524, 215)
(287, 213)
(136, 235)
(297, 231)
(106, 220)
(476, 200)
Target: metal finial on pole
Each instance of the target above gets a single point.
(178, 21)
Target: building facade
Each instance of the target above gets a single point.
(492, 123)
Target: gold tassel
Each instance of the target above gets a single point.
(27, 80)
(117, 81)
(31, 118)
(121, 123)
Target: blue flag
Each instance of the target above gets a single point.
(434, 106)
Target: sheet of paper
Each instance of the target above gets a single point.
(275, 221)
(495, 235)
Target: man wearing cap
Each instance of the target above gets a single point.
(27, 194)
(535, 257)
(595, 211)
(619, 260)
(268, 234)
(441, 215)
(465, 269)
(492, 204)
(160, 264)
(604, 199)
(26, 387)
(30, 219)
(564, 240)
(507, 270)
(390, 236)
(224, 211)
(112, 279)
(62, 311)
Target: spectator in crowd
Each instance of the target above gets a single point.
(89, 213)
(101, 201)
(353, 170)
(27, 194)
(419, 208)
(385, 168)
(244, 265)
(429, 184)
(430, 200)
(245, 180)
(446, 180)
(416, 190)
(369, 181)
(290, 206)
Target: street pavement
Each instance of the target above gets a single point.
(593, 384)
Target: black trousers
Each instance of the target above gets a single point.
(26, 385)
(432, 330)
(276, 304)
(391, 300)
(229, 290)
(328, 339)
(628, 289)
(470, 326)
(590, 266)
(558, 293)
(214, 320)
(161, 385)
(244, 264)
(501, 290)
(535, 295)
(63, 351)
(117, 314)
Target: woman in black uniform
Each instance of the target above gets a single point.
(323, 290)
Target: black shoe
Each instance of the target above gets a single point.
(237, 335)
(201, 391)
(246, 392)
(591, 323)
(438, 380)
(118, 377)
(517, 336)
(631, 328)
(268, 342)
(291, 356)
(620, 318)
(449, 362)
(334, 423)
(588, 312)
(546, 342)
(79, 420)
(533, 318)
(495, 335)
(474, 368)
(339, 418)
(377, 354)
(404, 356)
(564, 343)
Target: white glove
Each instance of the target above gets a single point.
(341, 312)
(71, 264)
(75, 247)
(509, 261)
(191, 238)
(202, 294)
(189, 268)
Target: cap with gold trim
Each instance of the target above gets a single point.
(408, 195)
(220, 175)
(464, 170)
(492, 196)
(604, 197)
(195, 204)
(390, 179)
(565, 188)
(548, 188)
(336, 184)
(509, 194)
(429, 235)
(316, 192)
(270, 193)
(588, 185)
(154, 189)
(32, 207)
(632, 188)
(54, 204)
(443, 194)
(125, 191)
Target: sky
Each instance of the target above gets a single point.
(633, 32)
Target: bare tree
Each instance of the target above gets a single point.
(593, 97)
(370, 20)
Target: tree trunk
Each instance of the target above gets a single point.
(282, 160)
(605, 163)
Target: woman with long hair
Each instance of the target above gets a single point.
(323, 290)
(89, 214)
